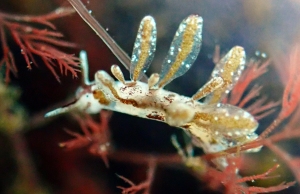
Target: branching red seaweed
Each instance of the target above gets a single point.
(143, 186)
(235, 184)
(37, 41)
(95, 135)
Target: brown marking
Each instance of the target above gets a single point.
(108, 84)
(132, 89)
(155, 117)
(169, 98)
(99, 95)
(143, 105)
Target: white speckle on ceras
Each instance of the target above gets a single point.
(210, 121)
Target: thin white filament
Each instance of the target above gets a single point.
(101, 32)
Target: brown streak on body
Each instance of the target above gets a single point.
(142, 105)
(155, 117)
(116, 95)
(168, 98)
(98, 94)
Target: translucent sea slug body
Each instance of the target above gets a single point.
(216, 126)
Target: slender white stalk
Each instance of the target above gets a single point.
(101, 32)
